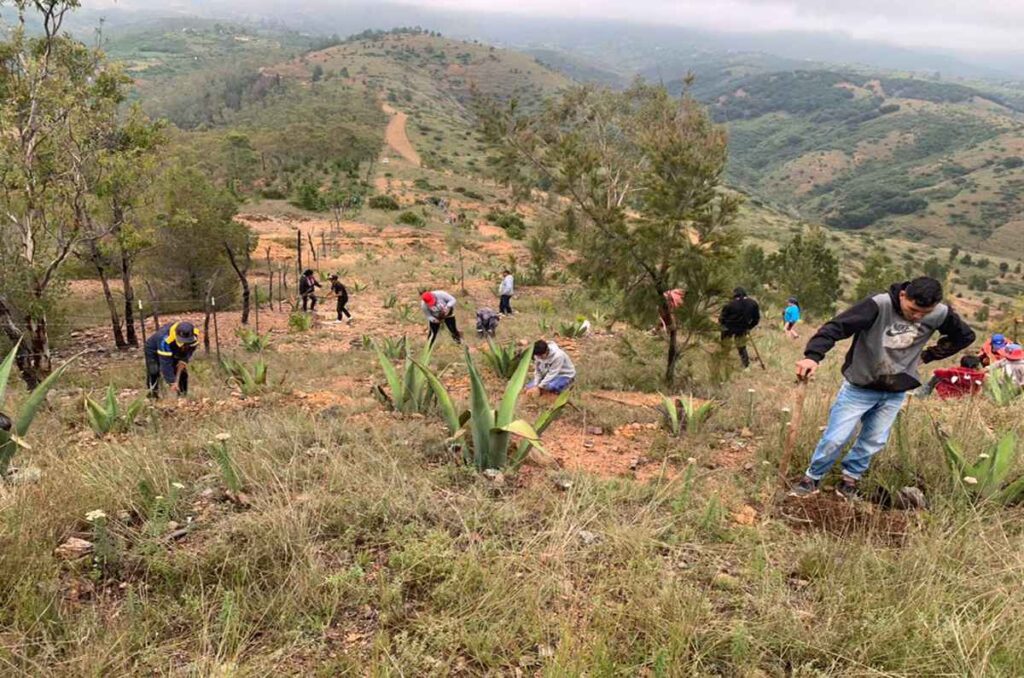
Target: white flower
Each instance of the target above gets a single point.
(158, 497)
(785, 410)
(982, 456)
(751, 391)
(178, 486)
(93, 516)
(970, 481)
(222, 436)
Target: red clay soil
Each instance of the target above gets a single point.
(828, 513)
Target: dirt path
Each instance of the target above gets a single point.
(396, 137)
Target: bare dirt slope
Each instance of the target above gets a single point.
(396, 137)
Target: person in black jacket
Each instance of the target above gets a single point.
(307, 289)
(338, 289)
(890, 333)
(738, 317)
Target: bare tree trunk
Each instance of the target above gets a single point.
(153, 303)
(206, 319)
(669, 318)
(312, 247)
(23, 358)
(243, 278)
(129, 299)
(115, 320)
(462, 272)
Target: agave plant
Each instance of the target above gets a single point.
(503, 359)
(491, 429)
(409, 393)
(12, 432)
(390, 301)
(252, 341)
(574, 329)
(248, 381)
(684, 414)
(1001, 388)
(404, 312)
(392, 348)
(299, 321)
(988, 478)
(107, 416)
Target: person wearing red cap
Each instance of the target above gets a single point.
(1012, 364)
(439, 306)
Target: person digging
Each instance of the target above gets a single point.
(338, 289)
(553, 370)
(487, 323)
(167, 352)
(890, 331)
(439, 306)
(307, 289)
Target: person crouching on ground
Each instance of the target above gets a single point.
(338, 289)
(890, 331)
(167, 353)
(958, 382)
(790, 317)
(993, 350)
(439, 306)
(553, 371)
(486, 323)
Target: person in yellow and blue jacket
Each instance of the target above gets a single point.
(168, 351)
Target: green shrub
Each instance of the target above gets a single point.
(410, 218)
(384, 202)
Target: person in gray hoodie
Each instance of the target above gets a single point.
(439, 306)
(553, 370)
(505, 291)
(890, 332)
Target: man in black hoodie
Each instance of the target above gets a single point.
(738, 317)
(890, 331)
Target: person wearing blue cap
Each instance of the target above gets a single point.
(993, 350)
(167, 352)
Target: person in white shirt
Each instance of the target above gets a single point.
(505, 291)
(553, 369)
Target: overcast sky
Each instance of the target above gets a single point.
(962, 25)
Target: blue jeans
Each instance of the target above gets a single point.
(874, 410)
(557, 385)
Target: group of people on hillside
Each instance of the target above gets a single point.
(891, 332)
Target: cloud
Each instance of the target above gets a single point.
(975, 26)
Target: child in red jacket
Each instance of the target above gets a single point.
(957, 382)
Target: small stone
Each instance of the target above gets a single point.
(588, 445)
(911, 498)
(73, 549)
(545, 651)
(172, 525)
(496, 477)
(691, 460)
(563, 484)
(24, 476)
(798, 583)
(589, 538)
(595, 431)
(746, 433)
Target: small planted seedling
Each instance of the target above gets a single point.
(392, 348)
(390, 301)
(299, 321)
(988, 478)
(252, 341)
(249, 381)
(502, 359)
(108, 416)
(13, 431)
(684, 414)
